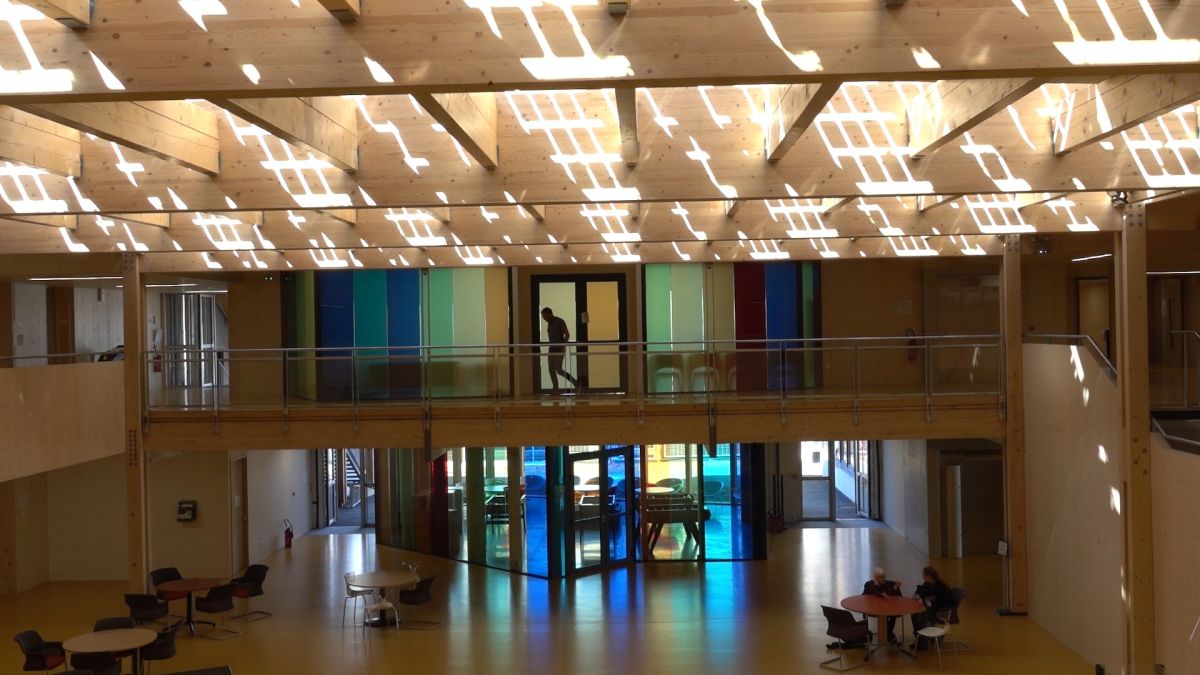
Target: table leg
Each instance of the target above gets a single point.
(190, 623)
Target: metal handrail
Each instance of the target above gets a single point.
(1077, 340)
(500, 362)
(91, 356)
(1172, 438)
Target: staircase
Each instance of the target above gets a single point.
(1181, 429)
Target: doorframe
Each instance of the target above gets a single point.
(582, 339)
(830, 479)
(240, 473)
(602, 456)
(1108, 345)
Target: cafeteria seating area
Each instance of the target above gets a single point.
(760, 617)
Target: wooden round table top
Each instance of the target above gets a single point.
(587, 488)
(189, 585)
(120, 640)
(887, 605)
(385, 579)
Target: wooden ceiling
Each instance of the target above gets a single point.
(296, 134)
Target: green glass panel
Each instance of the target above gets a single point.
(470, 368)
(304, 367)
(371, 330)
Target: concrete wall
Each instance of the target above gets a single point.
(1073, 477)
(88, 538)
(905, 487)
(98, 319)
(1176, 551)
(279, 483)
(29, 323)
(200, 548)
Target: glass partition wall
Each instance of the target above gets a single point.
(554, 512)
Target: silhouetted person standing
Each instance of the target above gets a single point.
(559, 335)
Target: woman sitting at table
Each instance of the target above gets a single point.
(936, 596)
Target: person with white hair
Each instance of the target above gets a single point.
(880, 585)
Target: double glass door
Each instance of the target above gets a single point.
(593, 308)
(599, 518)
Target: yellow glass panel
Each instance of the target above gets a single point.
(604, 323)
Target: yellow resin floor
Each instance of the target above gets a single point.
(659, 619)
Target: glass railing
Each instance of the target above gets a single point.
(648, 372)
(1175, 376)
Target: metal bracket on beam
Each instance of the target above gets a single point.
(641, 414)
(496, 418)
(569, 413)
(857, 413)
(619, 8)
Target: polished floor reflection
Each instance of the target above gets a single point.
(750, 617)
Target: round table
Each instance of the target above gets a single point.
(120, 640)
(383, 580)
(588, 488)
(881, 607)
(657, 490)
(190, 586)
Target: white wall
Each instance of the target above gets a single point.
(1176, 551)
(905, 485)
(200, 548)
(86, 521)
(29, 323)
(1073, 472)
(279, 484)
(99, 323)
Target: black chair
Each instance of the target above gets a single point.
(959, 594)
(535, 485)
(39, 654)
(713, 489)
(418, 595)
(161, 649)
(250, 585)
(97, 664)
(115, 623)
(146, 608)
(850, 633)
(676, 484)
(219, 600)
(161, 576)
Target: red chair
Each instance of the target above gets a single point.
(250, 585)
(39, 654)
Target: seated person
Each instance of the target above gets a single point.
(880, 585)
(936, 596)
(115, 354)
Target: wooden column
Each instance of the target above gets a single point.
(516, 520)
(135, 456)
(1132, 372)
(1017, 588)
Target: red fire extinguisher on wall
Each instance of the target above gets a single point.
(287, 533)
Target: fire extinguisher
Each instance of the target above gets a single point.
(287, 533)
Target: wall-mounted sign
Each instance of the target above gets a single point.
(186, 512)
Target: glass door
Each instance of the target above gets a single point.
(599, 522)
(592, 307)
(816, 481)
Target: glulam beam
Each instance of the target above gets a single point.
(471, 119)
(792, 109)
(628, 122)
(346, 11)
(70, 13)
(1120, 103)
(493, 46)
(30, 140)
(949, 109)
(326, 126)
(175, 131)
